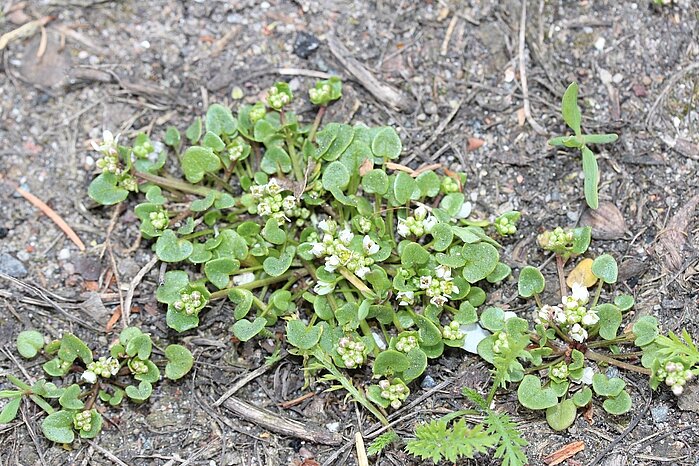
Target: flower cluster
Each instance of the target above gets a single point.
(103, 367)
(353, 352)
(237, 148)
(501, 343)
(257, 112)
(406, 343)
(559, 372)
(439, 287)
(270, 202)
(279, 95)
(504, 226)
(83, 420)
(138, 366)
(559, 240)
(675, 374)
(335, 246)
(452, 331)
(190, 302)
(320, 95)
(449, 185)
(395, 392)
(159, 219)
(417, 224)
(571, 315)
(109, 162)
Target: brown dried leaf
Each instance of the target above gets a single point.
(606, 221)
(365, 167)
(671, 240)
(474, 143)
(564, 453)
(582, 273)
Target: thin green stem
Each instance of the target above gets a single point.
(598, 292)
(295, 162)
(316, 123)
(589, 354)
(176, 185)
(298, 273)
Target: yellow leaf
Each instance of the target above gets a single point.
(582, 273)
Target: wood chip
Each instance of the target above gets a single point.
(564, 453)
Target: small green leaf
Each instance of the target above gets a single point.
(140, 393)
(618, 405)
(29, 343)
(532, 396)
(530, 282)
(418, 363)
(170, 249)
(375, 181)
(390, 362)
(212, 141)
(599, 138)
(609, 320)
(624, 302)
(70, 400)
(581, 239)
(605, 268)
(169, 291)
(172, 137)
(414, 254)
(604, 386)
(429, 183)
(180, 321)
(335, 176)
(58, 427)
(180, 361)
(276, 266)
(645, 330)
(9, 412)
(104, 190)
(193, 132)
(481, 260)
(403, 187)
(197, 161)
(583, 397)
(493, 319)
(386, 144)
(570, 109)
(428, 331)
(443, 236)
(73, 347)
(219, 120)
(591, 173)
(562, 415)
(272, 233)
(301, 336)
(452, 203)
(200, 205)
(140, 345)
(245, 330)
(242, 299)
(218, 271)
(501, 272)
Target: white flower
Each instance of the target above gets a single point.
(405, 298)
(323, 288)
(403, 229)
(289, 203)
(331, 263)
(420, 213)
(439, 301)
(370, 245)
(327, 226)
(429, 223)
(425, 281)
(578, 333)
(590, 318)
(109, 143)
(580, 293)
(442, 271)
(346, 236)
(318, 249)
(243, 278)
(586, 376)
(89, 377)
(559, 315)
(362, 271)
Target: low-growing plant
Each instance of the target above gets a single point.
(127, 373)
(368, 262)
(573, 118)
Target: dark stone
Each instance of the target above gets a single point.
(3, 232)
(305, 44)
(11, 266)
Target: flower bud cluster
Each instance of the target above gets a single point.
(504, 226)
(321, 95)
(501, 342)
(363, 225)
(559, 240)
(142, 150)
(83, 420)
(406, 343)
(278, 96)
(103, 367)
(237, 148)
(452, 331)
(449, 185)
(110, 156)
(395, 392)
(440, 286)
(159, 219)
(334, 245)
(353, 352)
(418, 224)
(128, 183)
(572, 315)
(257, 112)
(190, 302)
(138, 366)
(559, 372)
(270, 202)
(676, 375)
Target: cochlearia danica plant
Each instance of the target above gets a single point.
(128, 372)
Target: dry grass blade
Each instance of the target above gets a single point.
(564, 453)
(53, 215)
(362, 458)
(24, 30)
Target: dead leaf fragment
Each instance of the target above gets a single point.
(474, 143)
(582, 273)
(564, 453)
(606, 221)
(671, 240)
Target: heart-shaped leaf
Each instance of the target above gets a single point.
(301, 336)
(609, 320)
(58, 427)
(272, 233)
(530, 282)
(619, 404)
(172, 137)
(418, 363)
(245, 330)
(276, 266)
(583, 397)
(193, 132)
(170, 249)
(180, 361)
(141, 346)
(154, 195)
(493, 319)
(69, 399)
(212, 141)
(452, 203)
(429, 183)
(581, 239)
(624, 302)
(73, 347)
(218, 271)
(219, 120)
(403, 187)
(645, 330)
(429, 333)
(179, 320)
(532, 396)
(335, 176)
(604, 386)
(413, 254)
(443, 236)
(386, 144)
(169, 291)
(140, 393)
(562, 415)
(104, 190)
(29, 343)
(375, 181)
(200, 205)
(605, 268)
(481, 260)
(390, 362)
(242, 299)
(275, 160)
(501, 272)
(197, 161)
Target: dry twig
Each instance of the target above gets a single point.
(523, 72)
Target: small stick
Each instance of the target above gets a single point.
(126, 310)
(107, 453)
(298, 400)
(447, 38)
(247, 378)
(362, 458)
(523, 72)
(50, 213)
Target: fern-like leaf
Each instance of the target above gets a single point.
(436, 441)
(381, 442)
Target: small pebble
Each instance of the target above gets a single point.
(428, 382)
(305, 44)
(64, 254)
(660, 413)
(333, 426)
(599, 43)
(11, 266)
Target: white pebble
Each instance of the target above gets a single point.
(599, 43)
